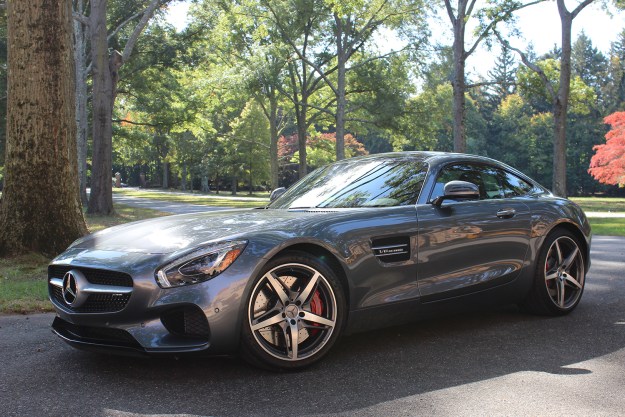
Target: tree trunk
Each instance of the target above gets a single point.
(301, 141)
(233, 188)
(183, 182)
(560, 107)
(80, 59)
(101, 198)
(459, 88)
(273, 142)
(40, 209)
(340, 91)
(165, 175)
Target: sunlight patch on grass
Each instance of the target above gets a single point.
(611, 204)
(211, 200)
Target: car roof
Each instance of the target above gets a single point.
(429, 156)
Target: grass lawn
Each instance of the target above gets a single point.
(608, 227)
(214, 200)
(600, 203)
(23, 279)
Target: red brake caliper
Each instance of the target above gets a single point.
(316, 307)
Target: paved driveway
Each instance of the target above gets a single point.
(484, 363)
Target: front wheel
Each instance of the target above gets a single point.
(295, 312)
(559, 278)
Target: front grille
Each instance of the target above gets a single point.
(186, 321)
(94, 276)
(95, 303)
(98, 335)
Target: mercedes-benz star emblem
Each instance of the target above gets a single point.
(72, 282)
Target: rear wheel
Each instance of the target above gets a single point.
(294, 313)
(560, 276)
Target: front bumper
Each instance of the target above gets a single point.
(202, 317)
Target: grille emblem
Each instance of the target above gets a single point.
(72, 282)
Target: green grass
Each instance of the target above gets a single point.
(211, 200)
(23, 279)
(607, 227)
(600, 203)
(23, 284)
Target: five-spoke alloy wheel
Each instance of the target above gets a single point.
(560, 276)
(294, 312)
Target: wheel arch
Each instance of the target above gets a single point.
(326, 256)
(577, 232)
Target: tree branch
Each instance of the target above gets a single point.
(531, 66)
(579, 8)
(147, 15)
(494, 22)
(81, 18)
(122, 24)
(450, 12)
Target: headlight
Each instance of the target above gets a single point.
(200, 265)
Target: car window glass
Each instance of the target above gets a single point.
(358, 183)
(490, 181)
(514, 186)
(485, 177)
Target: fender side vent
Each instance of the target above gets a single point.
(391, 249)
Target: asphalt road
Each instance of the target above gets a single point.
(497, 362)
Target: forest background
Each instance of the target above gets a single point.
(221, 103)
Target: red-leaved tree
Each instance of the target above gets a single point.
(608, 164)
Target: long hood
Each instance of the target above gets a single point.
(175, 233)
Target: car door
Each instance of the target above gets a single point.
(466, 246)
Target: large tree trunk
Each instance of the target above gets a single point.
(560, 108)
(101, 198)
(459, 88)
(80, 59)
(40, 208)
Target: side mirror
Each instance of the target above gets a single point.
(458, 190)
(276, 193)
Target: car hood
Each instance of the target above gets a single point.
(176, 233)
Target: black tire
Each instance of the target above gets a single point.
(296, 296)
(557, 288)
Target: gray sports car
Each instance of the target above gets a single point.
(357, 244)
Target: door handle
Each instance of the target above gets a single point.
(506, 213)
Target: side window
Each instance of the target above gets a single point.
(490, 179)
(514, 186)
(485, 177)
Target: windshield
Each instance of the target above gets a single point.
(357, 183)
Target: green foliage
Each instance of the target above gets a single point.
(531, 87)
(321, 149)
